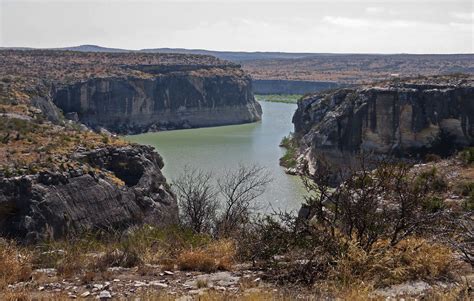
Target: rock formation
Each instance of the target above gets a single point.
(132, 92)
(410, 118)
(171, 100)
(54, 204)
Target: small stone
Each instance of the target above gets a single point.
(98, 286)
(85, 294)
(105, 295)
(159, 284)
(41, 288)
(116, 280)
(139, 284)
(72, 296)
(257, 280)
(169, 273)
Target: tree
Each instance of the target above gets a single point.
(197, 199)
(240, 189)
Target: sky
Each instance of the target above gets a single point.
(337, 26)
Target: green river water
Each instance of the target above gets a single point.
(219, 148)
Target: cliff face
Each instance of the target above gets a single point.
(407, 119)
(53, 204)
(170, 100)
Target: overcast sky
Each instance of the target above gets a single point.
(408, 26)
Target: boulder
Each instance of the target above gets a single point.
(53, 205)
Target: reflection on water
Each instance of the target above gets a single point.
(219, 148)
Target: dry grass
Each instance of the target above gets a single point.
(197, 260)
(354, 276)
(411, 259)
(219, 296)
(14, 264)
(218, 255)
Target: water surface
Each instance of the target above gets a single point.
(219, 148)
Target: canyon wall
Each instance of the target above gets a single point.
(400, 119)
(169, 99)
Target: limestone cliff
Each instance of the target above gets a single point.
(404, 118)
(130, 92)
(171, 100)
(54, 204)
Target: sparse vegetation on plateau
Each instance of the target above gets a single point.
(283, 98)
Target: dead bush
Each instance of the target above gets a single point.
(15, 264)
(388, 202)
(123, 257)
(411, 259)
(196, 260)
(197, 200)
(218, 255)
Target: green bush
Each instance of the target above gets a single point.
(432, 180)
(467, 155)
(289, 158)
(433, 204)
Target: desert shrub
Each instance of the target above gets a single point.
(433, 204)
(432, 158)
(197, 260)
(385, 203)
(351, 232)
(464, 188)
(467, 155)
(15, 264)
(461, 235)
(223, 209)
(153, 243)
(411, 259)
(218, 255)
(126, 257)
(432, 180)
(197, 200)
(239, 190)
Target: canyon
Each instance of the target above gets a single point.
(63, 172)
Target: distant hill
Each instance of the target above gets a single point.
(300, 68)
(237, 56)
(93, 48)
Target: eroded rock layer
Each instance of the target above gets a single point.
(173, 100)
(54, 204)
(410, 118)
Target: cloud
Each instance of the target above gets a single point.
(464, 16)
(374, 10)
(358, 22)
(347, 22)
